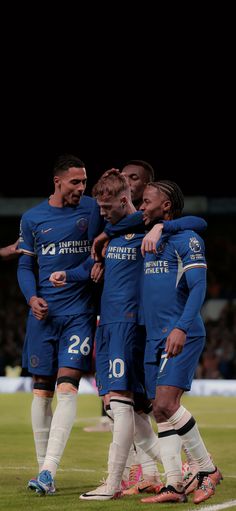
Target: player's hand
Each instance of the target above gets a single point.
(97, 246)
(39, 307)
(58, 278)
(150, 240)
(175, 342)
(105, 248)
(97, 272)
(11, 251)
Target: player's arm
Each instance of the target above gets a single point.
(28, 286)
(134, 221)
(196, 281)
(26, 270)
(26, 264)
(83, 272)
(10, 251)
(99, 245)
(151, 239)
(194, 223)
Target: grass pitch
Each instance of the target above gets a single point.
(84, 461)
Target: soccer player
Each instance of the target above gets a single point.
(174, 286)
(138, 173)
(119, 338)
(60, 330)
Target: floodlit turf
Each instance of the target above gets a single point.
(85, 458)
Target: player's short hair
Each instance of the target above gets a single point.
(174, 194)
(65, 162)
(147, 167)
(110, 184)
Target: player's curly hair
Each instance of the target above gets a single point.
(173, 193)
(110, 184)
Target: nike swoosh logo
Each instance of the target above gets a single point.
(46, 230)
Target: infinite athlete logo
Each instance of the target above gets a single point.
(49, 249)
(194, 245)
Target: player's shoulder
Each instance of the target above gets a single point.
(35, 210)
(185, 234)
(87, 201)
(188, 238)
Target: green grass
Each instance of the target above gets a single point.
(85, 458)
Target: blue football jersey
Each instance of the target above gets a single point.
(61, 239)
(168, 300)
(121, 291)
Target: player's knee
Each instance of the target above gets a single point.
(67, 384)
(163, 409)
(109, 412)
(142, 404)
(44, 389)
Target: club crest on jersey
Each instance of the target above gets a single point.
(194, 245)
(161, 248)
(82, 224)
(129, 236)
(34, 361)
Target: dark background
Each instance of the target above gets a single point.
(117, 84)
(189, 150)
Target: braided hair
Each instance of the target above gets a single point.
(173, 193)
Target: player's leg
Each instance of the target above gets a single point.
(175, 376)
(146, 442)
(41, 414)
(168, 440)
(74, 360)
(104, 424)
(113, 342)
(40, 359)
(185, 425)
(63, 417)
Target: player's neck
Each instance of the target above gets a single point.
(130, 208)
(56, 200)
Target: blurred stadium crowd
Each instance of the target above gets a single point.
(219, 311)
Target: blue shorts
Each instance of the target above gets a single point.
(58, 341)
(119, 357)
(176, 371)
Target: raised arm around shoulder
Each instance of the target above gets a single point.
(125, 224)
(195, 223)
